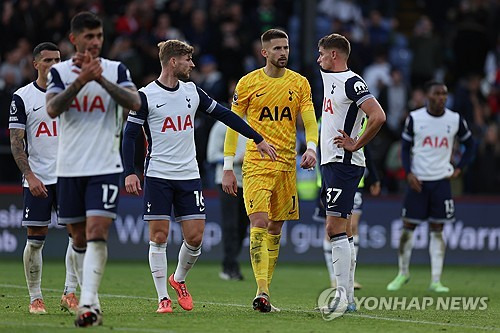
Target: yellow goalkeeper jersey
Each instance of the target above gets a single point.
(271, 106)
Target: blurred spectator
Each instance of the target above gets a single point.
(164, 30)
(123, 50)
(393, 99)
(128, 23)
(198, 33)
(379, 30)
(427, 52)
(254, 59)
(377, 75)
(471, 42)
(484, 171)
(417, 99)
(470, 102)
(230, 52)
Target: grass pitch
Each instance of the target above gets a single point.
(129, 302)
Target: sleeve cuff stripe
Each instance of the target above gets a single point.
(362, 99)
(135, 120)
(212, 106)
(466, 136)
(54, 90)
(17, 125)
(407, 137)
(126, 84)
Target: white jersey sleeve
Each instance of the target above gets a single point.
(27, 112)
(90, 129)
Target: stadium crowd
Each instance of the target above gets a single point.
(396, 47)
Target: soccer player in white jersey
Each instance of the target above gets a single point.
(84, 93)
(427, 145)
(171, 173)
(347, 101)
(33, 139)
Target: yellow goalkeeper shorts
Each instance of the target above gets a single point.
(273, 192)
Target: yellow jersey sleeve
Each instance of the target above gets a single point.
(238, 106)
(308, 114)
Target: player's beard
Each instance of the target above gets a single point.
(280, 63)
(183, 75)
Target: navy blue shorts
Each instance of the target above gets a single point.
(185, 195)
(339, 183)
(433, 204)
(37, 212)
(319, 214)
(81, 197)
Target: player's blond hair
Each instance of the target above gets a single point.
(173, 48)
(335, 41)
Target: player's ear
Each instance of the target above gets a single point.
(72, 38)
(264, 53)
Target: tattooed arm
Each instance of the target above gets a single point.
(58, 103)
(127, 97)
(17, 147)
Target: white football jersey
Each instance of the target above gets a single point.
(89, 135)
(432, 138)
(343, 93)
(27, 112)
(167, 116)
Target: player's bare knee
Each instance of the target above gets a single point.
(436, 227)
(38, 231)
(259, 220)
(274, 227)
(409, 226)
(159, 236)
(194, 241)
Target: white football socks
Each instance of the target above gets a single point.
(327, 250)
(350, 291)
(71, 281)
(187, 258)
(78, 254)
(355, 239)
(32, 260)
(341, 255)
(93, 270)
(436, 251)
(404, 254)
(158, 265)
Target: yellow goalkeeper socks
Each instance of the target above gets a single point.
(259, 257)
(273, 248)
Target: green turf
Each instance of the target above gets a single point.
(129, 301)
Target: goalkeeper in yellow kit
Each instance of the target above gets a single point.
(271, 99)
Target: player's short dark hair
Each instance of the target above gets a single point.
(335, 41)
(45, 46)
(273, 34)
(429, 84)
(173, 48)
(84, 20)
